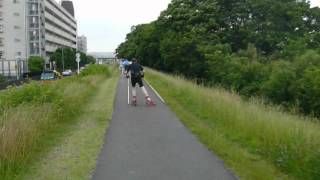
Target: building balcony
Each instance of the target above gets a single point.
(56, 22)
(69, 20)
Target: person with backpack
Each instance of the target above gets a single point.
(137, 73)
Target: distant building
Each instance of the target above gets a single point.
(104, 57)
(82, 44)
(35, 28)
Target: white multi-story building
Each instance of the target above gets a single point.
(13, 34)
(60, 26)
(82, 44)
(35, 28)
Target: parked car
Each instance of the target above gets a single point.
(67, 72)
(50, 75)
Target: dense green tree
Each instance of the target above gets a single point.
(64, 56)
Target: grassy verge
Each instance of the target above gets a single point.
(33, 116)
(75, 157)
(256, 141)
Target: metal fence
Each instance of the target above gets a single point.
(13, 69)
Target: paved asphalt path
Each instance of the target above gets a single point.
(150, 143)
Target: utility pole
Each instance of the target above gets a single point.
(62, 61)
(17, 67)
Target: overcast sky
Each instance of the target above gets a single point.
(106, 22)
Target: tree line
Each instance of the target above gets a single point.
(66, 56)
(265, 48)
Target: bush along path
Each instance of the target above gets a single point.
(35, 117)
(146, 143)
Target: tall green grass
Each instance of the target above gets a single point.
(286, 145)
(74, 156)
(29, 114)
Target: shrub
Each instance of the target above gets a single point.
(309, 91)
(35, 64)
(279, 88)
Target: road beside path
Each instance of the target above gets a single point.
(150, 143)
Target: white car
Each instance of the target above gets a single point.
(67, 73)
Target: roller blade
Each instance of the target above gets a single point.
(150, 103)
(134, 102)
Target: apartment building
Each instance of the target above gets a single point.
(60, 26)
(35, 28)
(82, 44)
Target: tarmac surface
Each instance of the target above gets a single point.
(150, 143)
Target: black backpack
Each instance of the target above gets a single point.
(135, 74)
(136, 71)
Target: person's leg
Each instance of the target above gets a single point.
(145, 92)
(139, 81)
(134, 91)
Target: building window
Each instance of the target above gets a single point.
(1, 28)
(17, 40)
(18, 54)
(34, 7)
(17, 27)
(1, 54)
(1, 41)
(16, 14)
(15, 1)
